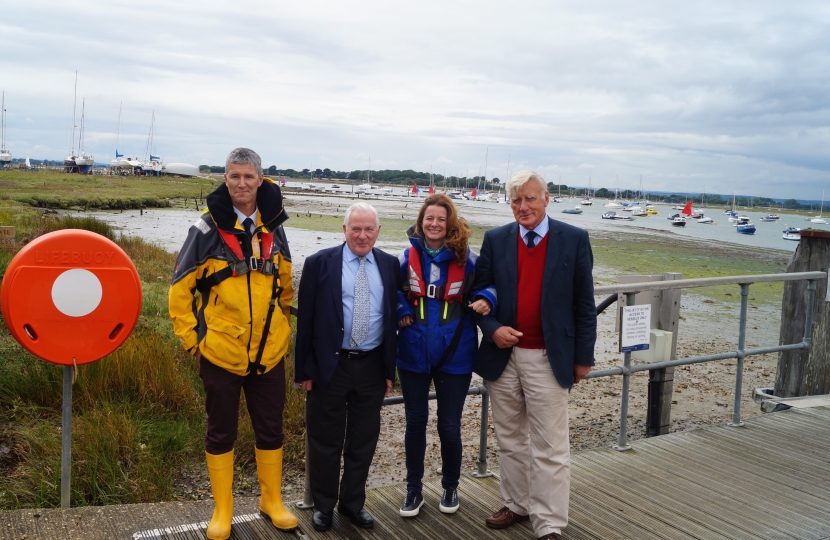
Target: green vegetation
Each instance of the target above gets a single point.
(138, 413)
(49, 189)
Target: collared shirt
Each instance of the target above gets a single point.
(541, 230)
(351, 263)
(241, 217)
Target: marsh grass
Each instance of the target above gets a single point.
(51, 189)
(138, 414)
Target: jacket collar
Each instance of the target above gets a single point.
(271, 213)
(417, 241)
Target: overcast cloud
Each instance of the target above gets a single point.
(726, 95)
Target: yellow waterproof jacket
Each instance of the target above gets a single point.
(226, 320)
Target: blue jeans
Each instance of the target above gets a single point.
(451, 391)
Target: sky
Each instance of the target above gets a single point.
(691, 96)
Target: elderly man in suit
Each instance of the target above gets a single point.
(538, 343)
(345, 360)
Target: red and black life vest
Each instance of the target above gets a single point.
(451, 292)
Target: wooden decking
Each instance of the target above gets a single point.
(767, 480)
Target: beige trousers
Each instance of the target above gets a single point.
(530, 413)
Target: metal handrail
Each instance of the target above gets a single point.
(630, 290)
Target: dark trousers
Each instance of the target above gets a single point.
(451, 392)
(344, 418)
(264, 395)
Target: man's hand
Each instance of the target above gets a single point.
(505, 337)
(481, 306)
(580, 371)
(306, 385)
(198, 355)
(405, 321)
(388, 387)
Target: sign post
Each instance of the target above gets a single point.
(70, 297)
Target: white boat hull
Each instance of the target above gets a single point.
(180, 169)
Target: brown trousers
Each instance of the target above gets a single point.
(264, 395)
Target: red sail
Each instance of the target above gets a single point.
(688, 209)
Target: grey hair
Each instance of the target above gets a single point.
(244, 156)
(521, 178)
(361, 207)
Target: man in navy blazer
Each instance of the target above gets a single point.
(345, 360)
(538, 343)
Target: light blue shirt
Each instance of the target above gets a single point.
(541, 230)
(351, 263)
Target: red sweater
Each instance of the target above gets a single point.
(529, 293)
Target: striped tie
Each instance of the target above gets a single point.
(360, 321)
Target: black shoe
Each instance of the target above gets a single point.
(449, 502)
(361, 518)
(412, 504)
(322, 520)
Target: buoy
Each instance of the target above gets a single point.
(71, 296)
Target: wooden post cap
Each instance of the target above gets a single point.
(71, 296)
(814, 233)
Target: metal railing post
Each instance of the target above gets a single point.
(739, 365)
(808, 320)
(622, 443)
(482, 471)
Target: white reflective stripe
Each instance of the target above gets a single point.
(414, 282)
(455, 287)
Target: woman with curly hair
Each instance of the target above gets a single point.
(437, 341)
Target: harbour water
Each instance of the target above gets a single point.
(767, 235)
(168, 227)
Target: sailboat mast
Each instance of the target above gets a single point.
(485, 167)
(3, 107)
(74, 105)
(118, 128)
(81, 132)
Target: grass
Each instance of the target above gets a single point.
(137, 414)
(50, 189)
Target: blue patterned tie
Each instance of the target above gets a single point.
(360, 321)
(531, 238)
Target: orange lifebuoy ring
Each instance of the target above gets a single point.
(71, 296)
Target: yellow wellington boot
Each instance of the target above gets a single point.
(220, 469)
(269, 471)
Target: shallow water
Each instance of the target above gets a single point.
(767, 235)
(168, 227)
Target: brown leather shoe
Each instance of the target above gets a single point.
(551, 536)
(504, 518)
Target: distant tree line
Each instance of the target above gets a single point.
(408, 177)
(388, 176)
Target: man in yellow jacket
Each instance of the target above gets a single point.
(230, 303)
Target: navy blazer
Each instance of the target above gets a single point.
(569, 313)
(320, 319)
